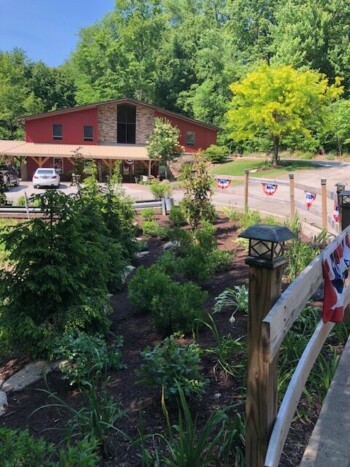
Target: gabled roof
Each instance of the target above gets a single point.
(124, 100)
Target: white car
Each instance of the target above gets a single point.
(46, 177)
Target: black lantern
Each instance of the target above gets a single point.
(344, 199)
(266, 244)
(340, 187)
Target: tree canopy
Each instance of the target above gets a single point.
(183, 55)
(275, 101)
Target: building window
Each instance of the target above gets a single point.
(88, 133)
(57, 131)
(126, 124)
(190, 138)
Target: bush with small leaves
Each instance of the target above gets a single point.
(148, 214)
(178, 308)
(161, 190)
(177, 216)
(153, 229)
(85, 357)
(19, 448)
(147, 283)
(171, 364)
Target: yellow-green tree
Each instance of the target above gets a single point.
(275, 101)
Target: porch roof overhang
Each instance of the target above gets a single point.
(113, 152)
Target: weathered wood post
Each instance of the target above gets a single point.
(246, 185)
(266, 262)
(324, 203)
(292, 196)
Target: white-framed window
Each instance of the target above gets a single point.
(190, 138)
(88, 133)
(57, 131)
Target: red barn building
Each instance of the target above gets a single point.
(105, 132)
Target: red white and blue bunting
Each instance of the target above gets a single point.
(309, 198)
(269, 188)
(223, 183)
(336, 212)
(129, 162)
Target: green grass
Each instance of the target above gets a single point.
(237, 167)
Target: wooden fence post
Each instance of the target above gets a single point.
(246, 185)
(292, 195)
(324, 203)
(265, 279)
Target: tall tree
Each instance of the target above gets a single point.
(275, 101)
(315, 34)
(164, 143)
(116, 57)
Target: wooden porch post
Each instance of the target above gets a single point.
(292, 196)
(246, 187)
(324, 203)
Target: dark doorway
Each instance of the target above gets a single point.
(126, 124)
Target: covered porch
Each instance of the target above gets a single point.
(134, 159)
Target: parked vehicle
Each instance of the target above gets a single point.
(46, 177)
(8, 176)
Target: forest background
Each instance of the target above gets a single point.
(183, 55)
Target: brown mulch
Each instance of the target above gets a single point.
(142, 403)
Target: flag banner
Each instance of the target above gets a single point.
(269, 188)
(336, 212)
(309, 198)
(223, 183)
(335, 271)
(128, 161)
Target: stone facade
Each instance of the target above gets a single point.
(144, 124)
(107, 124)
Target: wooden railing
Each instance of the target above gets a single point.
(275, 326)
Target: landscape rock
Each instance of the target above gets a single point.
(141, 254)
(29, 374)
(171, 245)
(3, 401)
(127, 272)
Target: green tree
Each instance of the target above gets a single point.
(276, 101)
(164, 143)
(337, 129)
(197, 182)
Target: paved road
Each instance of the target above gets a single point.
(234, 195)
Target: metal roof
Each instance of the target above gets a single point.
(124, 100)
(116, 151)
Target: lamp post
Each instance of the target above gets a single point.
(266, 260)
(344, 208)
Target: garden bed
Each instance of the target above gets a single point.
(143, 404)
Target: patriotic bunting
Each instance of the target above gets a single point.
(309, 198)
(128, 161)
(269, 188)
(222, 183)
(335, 271)
(336, 212)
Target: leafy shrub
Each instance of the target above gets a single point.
(216, 154)
(177, 216)
(19, 448)
(221, 260)
(171, 365)
(86, 356)
(147, 283)
(177, 308)
(161, 190)
(148, 214)
(153, 229)
(174, 306)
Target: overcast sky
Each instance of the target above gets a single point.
(47, 30)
